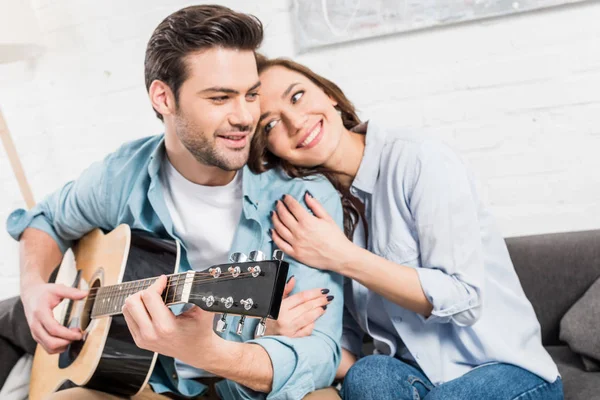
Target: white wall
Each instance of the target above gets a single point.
(518, 97)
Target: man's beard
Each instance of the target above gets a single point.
(205, 151)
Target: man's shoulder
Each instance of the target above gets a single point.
(136, 150)
(276, 181)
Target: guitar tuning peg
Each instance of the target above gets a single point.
(261, 328)
(256, 255)
(278, 255)
(237, 257)
(222, 324)
(240, 326)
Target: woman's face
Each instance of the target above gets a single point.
(299, 120)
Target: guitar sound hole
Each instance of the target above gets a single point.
(87, 308)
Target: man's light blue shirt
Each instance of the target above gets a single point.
(423, 212)
(125, 188)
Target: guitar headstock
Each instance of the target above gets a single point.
(248, 286)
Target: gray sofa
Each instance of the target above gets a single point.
(555, 271)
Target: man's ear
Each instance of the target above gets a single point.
(162, 98)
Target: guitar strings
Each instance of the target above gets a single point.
(180, 282)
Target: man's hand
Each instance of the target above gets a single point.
(155, 328)
(38, 302)
(298, 312)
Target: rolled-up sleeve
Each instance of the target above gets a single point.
(68, 213)
(302, 365)
(444, 206)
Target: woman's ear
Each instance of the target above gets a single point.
(333, 101)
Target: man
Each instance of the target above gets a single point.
(202, 81)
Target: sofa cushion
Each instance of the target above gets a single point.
(580, 328)
(578, 383)
(555, 271)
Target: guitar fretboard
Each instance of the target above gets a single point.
(109, 300)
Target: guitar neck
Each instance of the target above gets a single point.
(109, 300)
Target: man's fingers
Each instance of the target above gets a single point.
(138, 313)
(289, 286)
(56, 330)
(67, 292)
(155, 306)
(51, 344)
(159, 285)
(131, 324)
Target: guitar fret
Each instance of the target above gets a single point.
(167, 290)
(176, 288)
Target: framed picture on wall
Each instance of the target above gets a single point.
(324, 22)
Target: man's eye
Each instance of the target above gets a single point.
(219, 99)
(297, 96)
(269, 126)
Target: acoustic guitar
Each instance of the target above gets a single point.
(116, 265)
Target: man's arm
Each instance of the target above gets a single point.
(39, 256)
(45, 232)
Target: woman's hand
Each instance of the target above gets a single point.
(315, 240)
(298, 312)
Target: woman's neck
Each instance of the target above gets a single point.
(347, 157)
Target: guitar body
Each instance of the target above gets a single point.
(107, 359)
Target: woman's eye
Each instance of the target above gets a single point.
(251, 96)
(269, 126)
(297, 96)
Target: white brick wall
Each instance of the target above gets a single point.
(518, 97)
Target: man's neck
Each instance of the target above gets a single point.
(193, 170)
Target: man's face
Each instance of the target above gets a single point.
(218, 107)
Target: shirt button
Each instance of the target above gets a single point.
(398, 319)
(417, 356)
(174, 376)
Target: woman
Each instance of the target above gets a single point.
(431, 278)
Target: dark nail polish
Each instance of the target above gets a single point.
(324, 291)
(271, 213)
(329, 298)
(310, 194)
(283, 197)
(324, 307)
(289, 279)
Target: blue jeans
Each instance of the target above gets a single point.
(380, 377)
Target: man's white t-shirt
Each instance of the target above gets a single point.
(205, 219)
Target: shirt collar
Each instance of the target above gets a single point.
(251, 182)
(368, 171)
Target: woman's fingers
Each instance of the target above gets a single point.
(316, 207)
(306, 297)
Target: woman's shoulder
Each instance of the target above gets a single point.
(407, 144)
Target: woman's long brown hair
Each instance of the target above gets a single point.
(261, 159)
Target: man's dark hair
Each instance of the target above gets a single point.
(194, 29)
